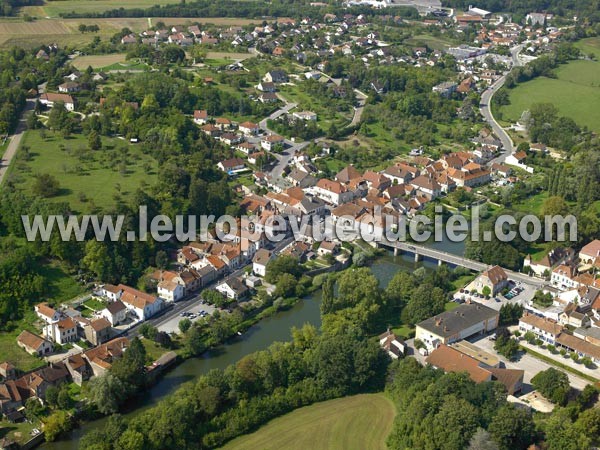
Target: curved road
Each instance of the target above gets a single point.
(15, 140)
(486, 110)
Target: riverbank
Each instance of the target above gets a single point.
(258, 337)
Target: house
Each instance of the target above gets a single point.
(69, 87)
(332, 192)
(268, 97)
(62, 332)
(246, 147)
(100, 358)
(460, 323)
(545, 329)
(260, 261)
(305, 115)
(34, 344)
(346, 174)
(450, 359)
(47, 313)
(231, 165)
(266, 86)
(50, 99)
(543, 267)
(201, 116)
(171, 291)
(501, 169)
(223, 123)
(78, 368)
(276, 76)
(393, 345)
(445, 89)
(8, 371)
(10, 398)
(230, 138)
(255, 157)
(97, 331)
(233, 289)
(139, 303)
(427, 185)
(563, 277)
(327, 248)
(572, 317)
(129, 39)
(400, 173)
(495, 279)
(115, 312)
(249, 128)
(590, 253)
(271, 141)
(110, 292)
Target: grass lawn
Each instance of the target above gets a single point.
(88, 179)
(461, 282)
(96, 61)
(126, 65)
(153, 350)
(94, 304)
(404, 331)
(575, 92)
(533, 205)
(61, 286)
(10, 351)
(589, 45)
(360, 422)
(18, 432)
(436, 43)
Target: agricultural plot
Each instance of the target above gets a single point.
(360, 422)
(575, 92)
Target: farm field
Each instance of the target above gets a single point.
(589, 45)
(88, 180)
(433, 42)
(98, 61)
(55, 8)
(360, 422)
(65, 33)
(575, 92)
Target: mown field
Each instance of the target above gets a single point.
(360, 422)
(55, 8)
(16, 32)
(88, 179)
(575, 92)
(589, 46)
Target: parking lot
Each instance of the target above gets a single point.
(192, 311)
(520, 293)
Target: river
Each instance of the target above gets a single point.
(259, 337)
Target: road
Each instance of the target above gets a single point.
(456, 260)
(169, 321)
(358, 110)
(292, 148)
(486, 110)
(15, 141)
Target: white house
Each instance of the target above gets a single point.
(170, 291)
(248, 128)
(545, 329)
(260, 261)
(62, 332)
(232, 288)
(332, 192)
(50, 99)
(141, 304)
(47, 313)
(390, 343)
(270, 142)
(115, 312)
(110, 292)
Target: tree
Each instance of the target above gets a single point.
(148, 331)
(426, 301)
(184, 325)
(194, 341)
(94, 141)
(482, 440)
(106, 393)
(280, 265)
(46, 185)
(286, 285)
(552, 384)
(512, 428)
(52, 396)
(486, 291)
(34, 409)
(162, 260)
(57, 423)
(130, 368)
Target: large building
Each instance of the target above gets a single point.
(453, 360)
(451, 326)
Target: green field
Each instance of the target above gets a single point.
(361, 422)
(55, 8)
(589, 46)
(436, 43)
(575, 92)
(88, 179)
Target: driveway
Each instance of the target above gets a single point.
(15, 141)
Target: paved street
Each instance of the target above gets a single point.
(486, 110)
(15, 140)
